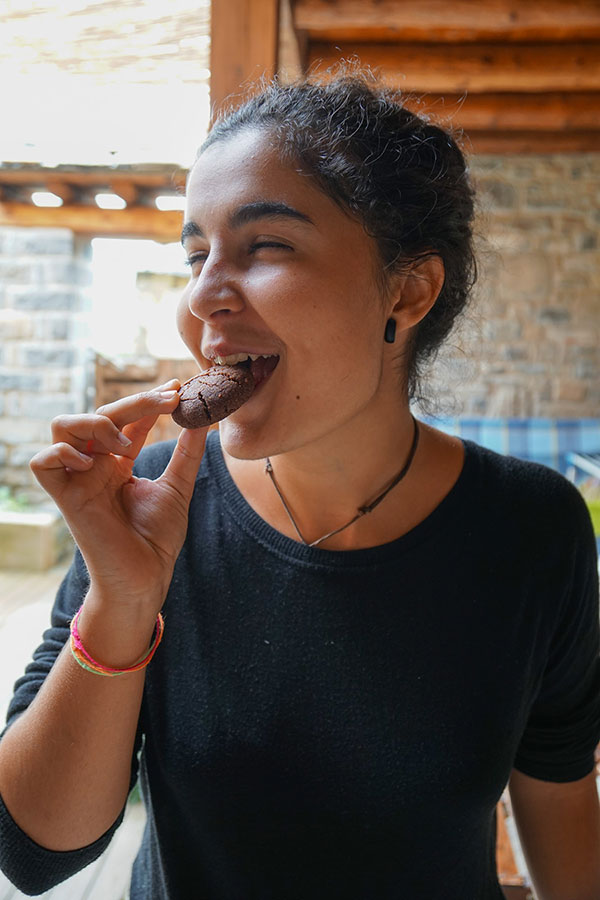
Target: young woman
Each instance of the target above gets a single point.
(370, 627)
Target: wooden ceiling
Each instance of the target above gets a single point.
(77, 186)
(515, 75)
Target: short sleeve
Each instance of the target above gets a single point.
(31, 867)
(563, 728)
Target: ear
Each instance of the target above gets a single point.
(416, 291)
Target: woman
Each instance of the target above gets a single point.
(339, 698)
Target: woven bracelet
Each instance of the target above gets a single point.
(87, 662)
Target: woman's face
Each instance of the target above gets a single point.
(277, 268)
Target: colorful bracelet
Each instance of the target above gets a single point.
(92, 665)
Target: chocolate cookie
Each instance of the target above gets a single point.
(212, 395)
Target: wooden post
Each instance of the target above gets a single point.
(244, 36)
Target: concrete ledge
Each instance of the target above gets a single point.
(34, 541)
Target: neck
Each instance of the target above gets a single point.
(363, 510)
(325, 482)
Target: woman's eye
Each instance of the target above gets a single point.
(259, 244)
(195, 259)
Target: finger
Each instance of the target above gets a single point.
(102, 432)
(89, 434)
(183, 466)
(173, 384)
(148, 403)
(137, 433)
(51, 466)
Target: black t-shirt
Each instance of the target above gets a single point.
(331, 724)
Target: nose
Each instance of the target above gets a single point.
(216, 290)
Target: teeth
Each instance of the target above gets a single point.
(230, 360)
(235, 358)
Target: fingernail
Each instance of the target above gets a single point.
(167, 395)
(86, 459)
(124, 441)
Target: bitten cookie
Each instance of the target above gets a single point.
(212, 395)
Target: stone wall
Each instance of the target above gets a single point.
(530, 344)
(44, 363)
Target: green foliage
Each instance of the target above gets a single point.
(10, 503)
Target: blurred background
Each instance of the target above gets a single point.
(104, 105)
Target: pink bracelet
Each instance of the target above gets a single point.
(92, 665)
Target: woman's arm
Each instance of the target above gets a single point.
(559, 829)
(65, 763)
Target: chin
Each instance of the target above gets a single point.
(243, 442)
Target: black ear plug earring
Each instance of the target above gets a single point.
(390, 331)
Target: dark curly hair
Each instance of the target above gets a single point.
(403, 177)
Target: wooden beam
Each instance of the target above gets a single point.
(244, 36)
(428, 21)
(549, 113)
(170, 179)
(60, 188)
(524, 142)
(292, 46)
(128, 192)
(466, 67)
(136, 221)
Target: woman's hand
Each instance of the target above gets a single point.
(129, 530)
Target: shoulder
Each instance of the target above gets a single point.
(528, 493)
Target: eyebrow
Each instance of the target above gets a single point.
(250, 212)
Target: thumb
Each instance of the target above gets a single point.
(183, 466)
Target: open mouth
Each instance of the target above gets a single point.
(261, 366)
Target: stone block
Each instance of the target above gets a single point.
(533, 368)
(588, 241)
(553, 314)
(19, 381)
(19, 457)
(517, 352)
(548, 351)
(42, 406)
(547, 195)
(13, 272)
(585, 369)
(24, 431)
(501, 194)
(33, 541)
(42, 355)
(66, 271)
(569, 390)
(45, 299)
(57, 382)
(545, 396)
(15, 325)
(487, 163)
(52, 328)
(528, 275)
(501, 331)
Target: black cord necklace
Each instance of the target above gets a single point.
(362, 510)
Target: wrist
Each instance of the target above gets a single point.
(116, 634)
